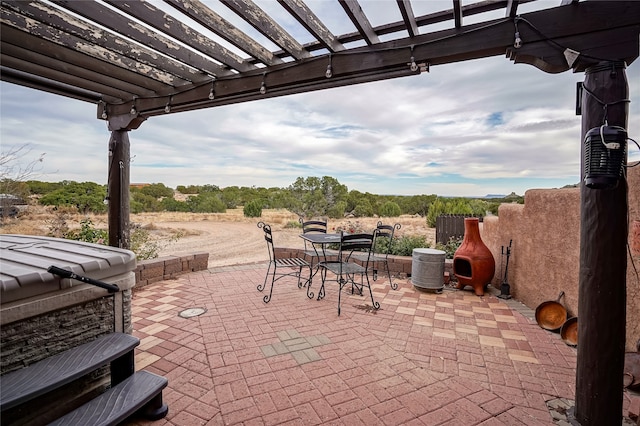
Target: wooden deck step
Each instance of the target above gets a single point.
(120, 402)
(55, 371)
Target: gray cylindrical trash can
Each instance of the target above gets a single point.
(427, 268)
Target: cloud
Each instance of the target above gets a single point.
(472, 128)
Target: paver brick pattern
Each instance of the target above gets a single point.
(423, 359)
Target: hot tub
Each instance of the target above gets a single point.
(41, 313)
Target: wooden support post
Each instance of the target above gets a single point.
(118, 189)
(603, 263)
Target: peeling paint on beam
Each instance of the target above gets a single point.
(220, 26)
(154, 41)
(299, 10)
(173, 28)
(32, 43)
(262, 22)
(66, 30)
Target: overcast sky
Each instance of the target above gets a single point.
(480, 127)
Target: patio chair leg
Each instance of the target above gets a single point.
(309, 292)
(267, 298)
(394, 286)
(299, 275)
(308, 284)
(315, 272)
(341, 284)
(323, 276)
(264, 284)
(375, 304)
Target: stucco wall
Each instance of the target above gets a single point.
(545, 256)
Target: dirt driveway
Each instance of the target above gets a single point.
(232, 239)
(228, 243)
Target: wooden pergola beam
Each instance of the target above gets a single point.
(220, 26)
(156, 18)
(252, 14)
(313, 24)
(408, 17)
(118, 23)
(356, 14)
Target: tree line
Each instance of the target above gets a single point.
(307, 197)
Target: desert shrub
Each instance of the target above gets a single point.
(88, 233)
(390, 209)
(363, 209)
(252, 208)
(403, 246)
(142, 244)
(58, 226)
(450, 247)
(156, 190)
(142, 202)
(206, 202)
(292, 224)
(337, 211)
(436, 209)
(351, 227)
(382, 245)
(173, 205)
(86, 197)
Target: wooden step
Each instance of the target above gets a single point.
(55, 371)
(143, 389)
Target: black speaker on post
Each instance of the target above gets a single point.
(605, 151)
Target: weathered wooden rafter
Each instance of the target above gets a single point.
(163, 22)
(268, 27)
(119, 53)
(512, 8)
(214, 22)
(118, 23)
(354, 12)
(408, 17)
(457, 14)
(312, 23)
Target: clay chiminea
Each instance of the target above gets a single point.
(473, 263)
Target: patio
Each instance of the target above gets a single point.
(423, 358)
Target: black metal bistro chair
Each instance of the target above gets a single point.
(313, 227)
(295, 263)
(381, 249)
(314, 253)
(382, 246)
(346, 267)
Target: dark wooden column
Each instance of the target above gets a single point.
(118, 189)
(603, 264)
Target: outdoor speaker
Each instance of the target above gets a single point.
(605, 150)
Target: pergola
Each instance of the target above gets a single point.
(138, 59)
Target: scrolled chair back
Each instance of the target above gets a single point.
(317, 226)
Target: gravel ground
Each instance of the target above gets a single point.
(228, 243)
(241, 241)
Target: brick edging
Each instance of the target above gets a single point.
(165, 268)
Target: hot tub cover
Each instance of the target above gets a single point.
(24, 260)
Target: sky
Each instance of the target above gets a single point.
(474, 128)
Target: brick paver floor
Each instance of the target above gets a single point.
(423, 359)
